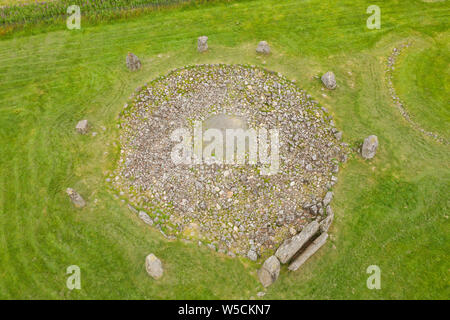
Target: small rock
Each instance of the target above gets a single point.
(82, 127)
(269, 271)
(329, 80)
(327, 199)
(369, 147)
(202, 44)
(145, 217)
(75, 197)
(263, 47)
(153, 266)
(133, 62)
(252, 255)
(261, 294)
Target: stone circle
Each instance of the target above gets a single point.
(233, 208)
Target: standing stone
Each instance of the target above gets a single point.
(290, 246)
(326, 223)
(75, 197)
(327, 199)
(329, 80)
(263, 47)
(82, 127)
(269, 271)
(133, 62)
(369, 147)
(202, 43)
(309, 251)
(153, 266)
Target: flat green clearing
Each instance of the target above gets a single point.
(391, 211)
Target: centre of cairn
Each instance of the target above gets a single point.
(246, 207)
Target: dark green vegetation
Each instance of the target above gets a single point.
(391, 211)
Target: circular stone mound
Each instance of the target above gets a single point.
(238, 206)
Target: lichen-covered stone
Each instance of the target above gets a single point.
(263, 47)
(291, 246)
(329, 80)
(269, 271)
(133, 62)
(154, 266)
(369, 147)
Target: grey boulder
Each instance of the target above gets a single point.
(263, 47)
(146, 218)
(326, 223)
(153, 266)
(202, 43)
(82, 126)
(133, 62)
(369, 147)
(269, 271)
(329, 80)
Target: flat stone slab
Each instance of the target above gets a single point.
(309, 251)
(291, 246)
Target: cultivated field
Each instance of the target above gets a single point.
(391, 211)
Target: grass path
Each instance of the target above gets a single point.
(391, 211)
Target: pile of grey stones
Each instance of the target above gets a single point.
(232, 209)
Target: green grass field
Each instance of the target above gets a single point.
(391, 211)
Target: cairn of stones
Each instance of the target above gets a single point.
(233, 209)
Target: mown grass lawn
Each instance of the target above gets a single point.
(391, 211)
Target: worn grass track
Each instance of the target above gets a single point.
(391, 211)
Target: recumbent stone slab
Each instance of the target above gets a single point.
(291, 246)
